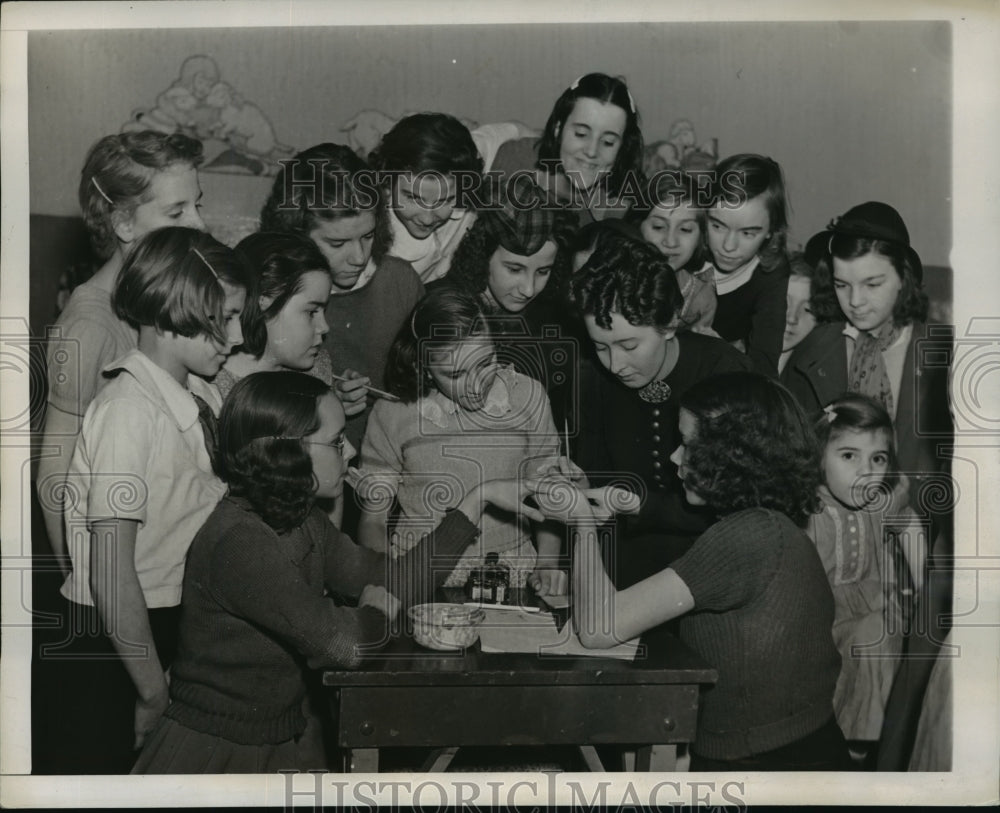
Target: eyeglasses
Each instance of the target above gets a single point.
(338, 443)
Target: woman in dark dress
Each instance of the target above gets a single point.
(628, 295)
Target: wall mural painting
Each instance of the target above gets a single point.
(237, 135)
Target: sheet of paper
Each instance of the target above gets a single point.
(538, 634)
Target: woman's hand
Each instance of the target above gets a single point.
(148, 711)
(560, 499)
(353, 392)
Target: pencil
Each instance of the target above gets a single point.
(380, 393)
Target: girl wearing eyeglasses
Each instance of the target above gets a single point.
(257, 607)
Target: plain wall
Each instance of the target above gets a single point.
(852, 111)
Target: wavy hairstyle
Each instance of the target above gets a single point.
(745, 176)
(754, 447)
(260, 453)
(325, 182)
(609, 90)
(911, 302)
(117, 174)
(446, 315)
(629, 277)
(277, 262)
(470, 264)
(171, 280)
(427, 142)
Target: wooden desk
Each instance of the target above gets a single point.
(411, 696)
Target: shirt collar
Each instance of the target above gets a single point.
(727, 283)
(161, 387)
(438, 409)
(361, 282)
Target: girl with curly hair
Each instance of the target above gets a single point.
(751, 594)
(589, 157)
(628, 295)
(329, 195)
(516, 261)
(260, 580)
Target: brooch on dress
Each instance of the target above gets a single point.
(655, 392)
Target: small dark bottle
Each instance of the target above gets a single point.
(490, 583)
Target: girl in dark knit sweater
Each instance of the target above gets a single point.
(257, 608)
(752, 590)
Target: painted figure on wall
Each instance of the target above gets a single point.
(238, 136)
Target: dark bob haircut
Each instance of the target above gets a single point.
(427, 142)
(754, 447)
(117, 174)
(740, 178)
(260, 453)
(609, 90)
(171, 280)
(326, 182)
(443, 317)
(629, 277)
(670, 189)
(911, 302)
(277, 262)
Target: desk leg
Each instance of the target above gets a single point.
(362, 760)
(656, 758)
(439, 760)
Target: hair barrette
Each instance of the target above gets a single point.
(831, 414)
(208, 265)
(97, 186)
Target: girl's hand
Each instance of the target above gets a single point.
(508, 495)
(376, 596)
(148, 712)
(565, 468)
(549, 582)
(608, 501)
(353, 393)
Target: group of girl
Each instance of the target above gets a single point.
(559, 338)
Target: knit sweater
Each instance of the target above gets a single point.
(762, 616)
(254, 615)
(755, 314)
(364, 323)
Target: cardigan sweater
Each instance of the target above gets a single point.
(763, 613)
(755, 314)
(254, 615)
